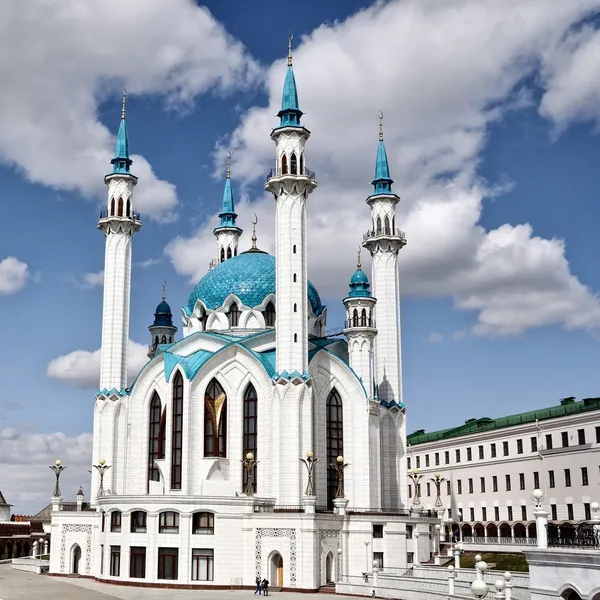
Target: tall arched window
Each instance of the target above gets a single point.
(128, 213)
(233, 315)
(378, 224)
(250, 426)
(301, 164)
(295, 307)
(163, 339)
(228, 252)
(177, 441)
(363, 318)
(204, 321)
(154, 438)
(335, 441)
(112, 207)
(284, 165)
(294, 164)
(386, 225)
(295, 337)
(162, 434)
(222, 254)
(120, 207)
(355, 318)
(294, 277)
(270, 315)
(215, 420)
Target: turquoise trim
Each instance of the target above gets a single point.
(190, 364)
(121, 162)
(290, 112)
(227, 214)
(359, 285)
(392, 404)
(113, 392)
(382, 182)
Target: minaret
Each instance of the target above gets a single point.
(162, 331)
(291, 182)
(119, 223)
(360, 327)
(227, 233)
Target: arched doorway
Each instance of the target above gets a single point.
(505, 530)
(478, 530)
(75, 558)
(532, 530)
(329, 568)
(519, 530)
(276, 570)
(491, 530)
(467, 531)
(570, 595)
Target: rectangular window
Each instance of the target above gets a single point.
(168, 561)
(449, 513)
(203, 564)
(553, 515)
(377, 531)
(565, 439)
(584, 476)
(534, 444)
(469, 454)
(587, 511)
(138, 521)
(101, 559)
(483, 513)
(459, 486)
(581, 436)
(493, 450)
(137, 562)
(496, 513)
(523, 512)
(408, 463)
(597, 435)
(409, 490)
(536, 480)
(519, 446)
(378, 556)
(551, 481)
(447, 457)
(521, 481)
(508, 486)
(567, 477)
(115, 561)
(510, 513)
(427, 460)
(548, 441)
(115, 521)
(470, 486)
(482, 484)
(448, 488)
(570, 512)
(458, 455)
(409, 532)
(480, 452)
(472, 514)
(410, 558)
(418, 462)
(429, 489)
(168, 522)
(177, 432)
(437, 459)
(505, 448)
(203, 523)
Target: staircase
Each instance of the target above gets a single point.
(328, 588)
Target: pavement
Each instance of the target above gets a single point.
(20, 585)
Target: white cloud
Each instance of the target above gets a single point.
(27, 483)
(13, 275)
(81, 368)
(63, 58)
(146, 264)
(435, 338)
(441, 73)
(91, 280)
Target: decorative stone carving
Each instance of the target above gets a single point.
(87, 529)
(266, 532)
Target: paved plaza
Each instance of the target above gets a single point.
(19, 585)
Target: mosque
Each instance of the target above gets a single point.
(255, 445)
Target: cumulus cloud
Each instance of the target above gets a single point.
(61, 65)
(441, 73)
(81, 368)
(27, 483)
(13, 275)
(91, 280)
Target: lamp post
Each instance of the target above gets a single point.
(101, 467)
(416, 478)
(309, 463)
(541, 518)
(339, 564)
(479, 587)
(438, 529)
(339, 467)
(450, 522)
(58, 468)
(249, 465)
(437, 480)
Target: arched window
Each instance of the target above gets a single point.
(204, 321)
(363, 318)
(335, 441)
(162, 434)
(294, 164)
(203, 522)
(294, 277)
(139, 521)
(393, 224)
(301, 164)
(250, 427)
(164, 339)
(295, 337)
(294, 250)
(215, 420)
(177, 431)
(378, 224)
(128, 209)
(270, 315)
(154, 438)
(284, 165)
(156, 340)
(115, 521)
(233, 315)
(295, 307)
(112, 207)
(120, 207)
(355, 318)
(222, 254)
(235, 251)
(228, 252)
(387, 225)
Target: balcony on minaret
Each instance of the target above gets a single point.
(132, 215)
(279, 172)
(385, 233)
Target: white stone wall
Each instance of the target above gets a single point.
(227, 239)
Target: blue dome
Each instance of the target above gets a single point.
(359, 277)
(250, 276)
(163, 316)
(359, 285)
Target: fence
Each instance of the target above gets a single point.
(508, 541)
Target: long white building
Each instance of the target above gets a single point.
(203, 482)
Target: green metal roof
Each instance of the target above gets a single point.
(568, 406)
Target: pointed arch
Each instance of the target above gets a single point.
(295, 307)
(270, 315)
(301, 172)
(112, 207)
(233, 315)
(378, 225)
(128, 208)
(222, 254)
(163, 339)
(215, 420)
(386, 225)
(154, 437)
(162, 434)
(294, 164)
(228, 252)
(363, 318)
(120, 207)
(250, 430)
(284, 169)
(177, 432)
(355, 318)
(335, 441)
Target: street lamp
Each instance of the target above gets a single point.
(101, 467)
(339, 467)
(309, 463)
(58, 468)
(479, 587)
(249, 465)
(438, 529)
(437, 481)
(416, 478)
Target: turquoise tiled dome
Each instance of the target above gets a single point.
(359, 285)
(250, 276)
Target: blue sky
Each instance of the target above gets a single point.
(491, 123)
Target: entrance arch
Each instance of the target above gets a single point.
(329, 568)
(276, 570)
(75, 558)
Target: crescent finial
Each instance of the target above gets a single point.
(381, 126)
(123, 100)
(254, 231)
(228, 165)
(290, 38)
(255, 219)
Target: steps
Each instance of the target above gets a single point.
(328, 588)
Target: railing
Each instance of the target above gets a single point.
(384, 232)
(288, 509)
(279, 173)
(509, 541)
(402, 512)
(584, 535)
(134, 216)
(359, 323)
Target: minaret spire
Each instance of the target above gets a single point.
(227, 233)
(124, 99)
(290, 49)
(121, 162)
(290, 112)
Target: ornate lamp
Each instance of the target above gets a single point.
(249, 465)
(339, 467)
(58, 468)
(309, 463)
(101, 467)
(416, 478)
(437, 481)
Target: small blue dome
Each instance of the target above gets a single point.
(359, 285)
(163, 316)
(250, 276)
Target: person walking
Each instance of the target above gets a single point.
(265, 586)
(258, 586)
